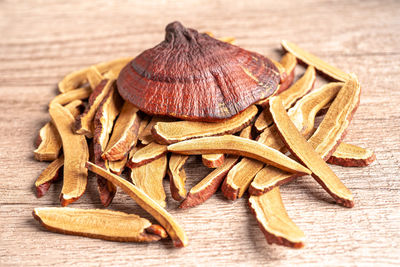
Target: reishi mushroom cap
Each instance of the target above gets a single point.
(193, 76)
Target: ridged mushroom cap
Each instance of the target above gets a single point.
(193, 76)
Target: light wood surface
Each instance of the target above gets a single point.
(43, 40)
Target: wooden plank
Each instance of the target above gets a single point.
(42, 42)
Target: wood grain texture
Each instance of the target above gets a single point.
(42, 41)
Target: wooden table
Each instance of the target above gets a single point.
(42, 41)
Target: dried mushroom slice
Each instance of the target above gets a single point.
(332, 129)
(103, 123)
(94, 77)
(299, 89)
(68, 97)
(274, 221)
(209, 185)
(80, 77)
(173, 132)
(193, 76)
(241, 175)
(230, 144)
(177, 176)
(102, 224)
(213, 160)
(49, 175)
(76, 153)
(49, 139)
(305, 152)
(84, 123)
(118, 166)
(124, 135)
(303, 116)
(304, 112)
(147, 154)
(349, 155)
(145, 136)
(318, 63)
(149, 178)
(174, 230)
(288, 62)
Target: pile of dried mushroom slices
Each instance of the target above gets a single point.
(93, 129)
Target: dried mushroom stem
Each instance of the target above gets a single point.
(149, 178)
(230, 144)
(68, 97)
(175, 231)
(103, 123)
(76, 153)
(177, 176)
(303, 116)
(49, 139)
(84, 123)
(349, 155)
(274, 221)
(305, 152)
(173, 132)
(49, 175)
(147, 154)
(209, 185)
(124, 135)
(77, 78)
(318, 63)
(101, 224)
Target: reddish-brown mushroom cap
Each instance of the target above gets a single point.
(193, 76)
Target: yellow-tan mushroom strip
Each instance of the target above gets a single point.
(229, 144)
(76, 153)
(174, 230)
(318, 63)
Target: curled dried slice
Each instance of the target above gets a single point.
(209, 185)
(124, 135)
(304, 112)
(175, 231)
(212, 160)
(147, 154)
(303, 116)
(146, 136)
(76, 153)
(274, 221)
(172, 132)
(230, 144)
(103, 123)
(230, 40)
(77, 78)
(96, 223)
(49, 139)
(84, 123)
(305, 152)
(349, 155)
(333, 127)
(288, 62)
(299, 89)
(94, 77)
(118, 166)
(177, 176)
(68, 97)
(240, 176)
(149, 178)
(318, 63)
(49, 175)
